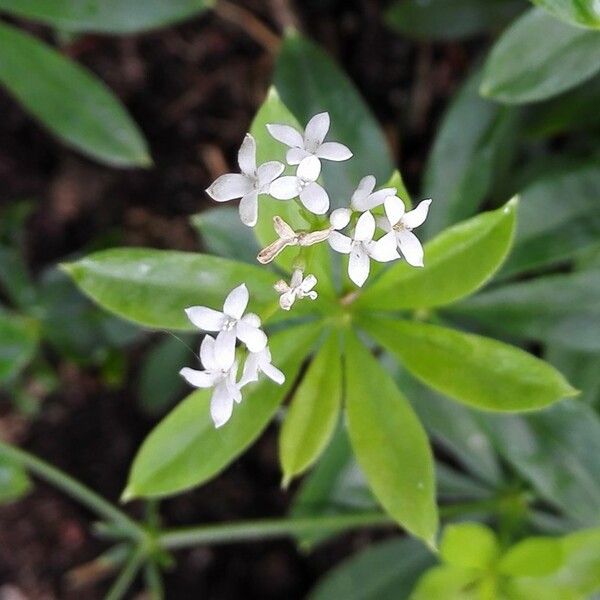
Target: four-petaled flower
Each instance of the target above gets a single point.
(220, 372)
(361, 247)
(248, 184)
(260, 362)
(304, 185)
(231, 324)
(311, 142)
(400, 224)
(298, 288)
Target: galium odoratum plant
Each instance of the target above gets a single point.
(336, 277)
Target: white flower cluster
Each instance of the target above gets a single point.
(305, 152)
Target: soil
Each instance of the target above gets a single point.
(193, 89)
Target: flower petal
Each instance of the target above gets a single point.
(229, 187)
(248, 209)
(340, 242)
(232, 387)
(394, 209)
(282, 229)
(286, 135)
(309, 169)
(205, 318)
(316, 130)
(236, 301)
(287, 299)
(340, 217)
(308, 283)
(273, 373)
(334, 151)
(285, 188)
(411, 248)
(315, 198)
(358, 265)
(266, 173)
(365, 227)
(296, 279)
(364, 188)
(221, 405)
(254, 338)
(250, 372)
(247, 156)
(375, 199)
(225, 349)
(384, 249)
(207, 353)
(294, 156)
(251, 319)
(199, 379)
(416, 217)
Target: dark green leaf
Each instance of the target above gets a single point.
(18, 344)
(575, 12)
(14, 481)
(69, 100)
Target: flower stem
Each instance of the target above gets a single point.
(126, 577)
(74, 489)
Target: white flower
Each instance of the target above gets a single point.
(298, 288)
(231, 324)
(248, 184)
(260, 362)
(361, 248)
(311, 142)
(400, 225)
(303, 184)
(219, 374)
(288, 237)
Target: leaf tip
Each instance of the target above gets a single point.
(128, 494)
(286, 480)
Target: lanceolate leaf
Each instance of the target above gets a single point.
(390, 443)
(18, 343)
(457, 262)
(478, 371)
(575, 12)
(314, 411)
(70, 101)
(185, 450)
(539, 57)
(106, 16)
(153, 287)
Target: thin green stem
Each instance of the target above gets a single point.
(154, 581)
(126, 577)
(74, 489)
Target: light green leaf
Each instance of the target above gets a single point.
(532, 557)
(539, 57)
(314, 412)
(18, 344)
(309, 82)
(448, 583)
(576, 12)
(390, 443)
(457, 262)
(385, 571)
(478, 371)
(70, 101)
(450, 19)
(185, 450)
(14, 481)
(473, 147)
(105, 16)
(397, 181)
(469, 546)
(153, 287)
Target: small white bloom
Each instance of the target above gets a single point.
(361, 247)
(260, 362)
(400, 225)
(311, 142)
(231, 324)
(298, 288)
(248, 184)
(219, 374)
(289, 237)
(303, 184)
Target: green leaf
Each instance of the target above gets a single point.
(457, 262)
(539, 57)
(397, 181)
(568, 227)
(385, 571)
(560, 309)
(314, 412)
(185, 450)
(223, 233)
(448, 583)
(309, 82)
(469, 546)
(576, 12)
(70, 101)
(478, 371)
(556, 451)
(450, 19)
(18, 344)
(14, 278)
(153, 287)
(390, 443)
(105, 16)
(14, 481)
(472, 149)
(532, 557)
